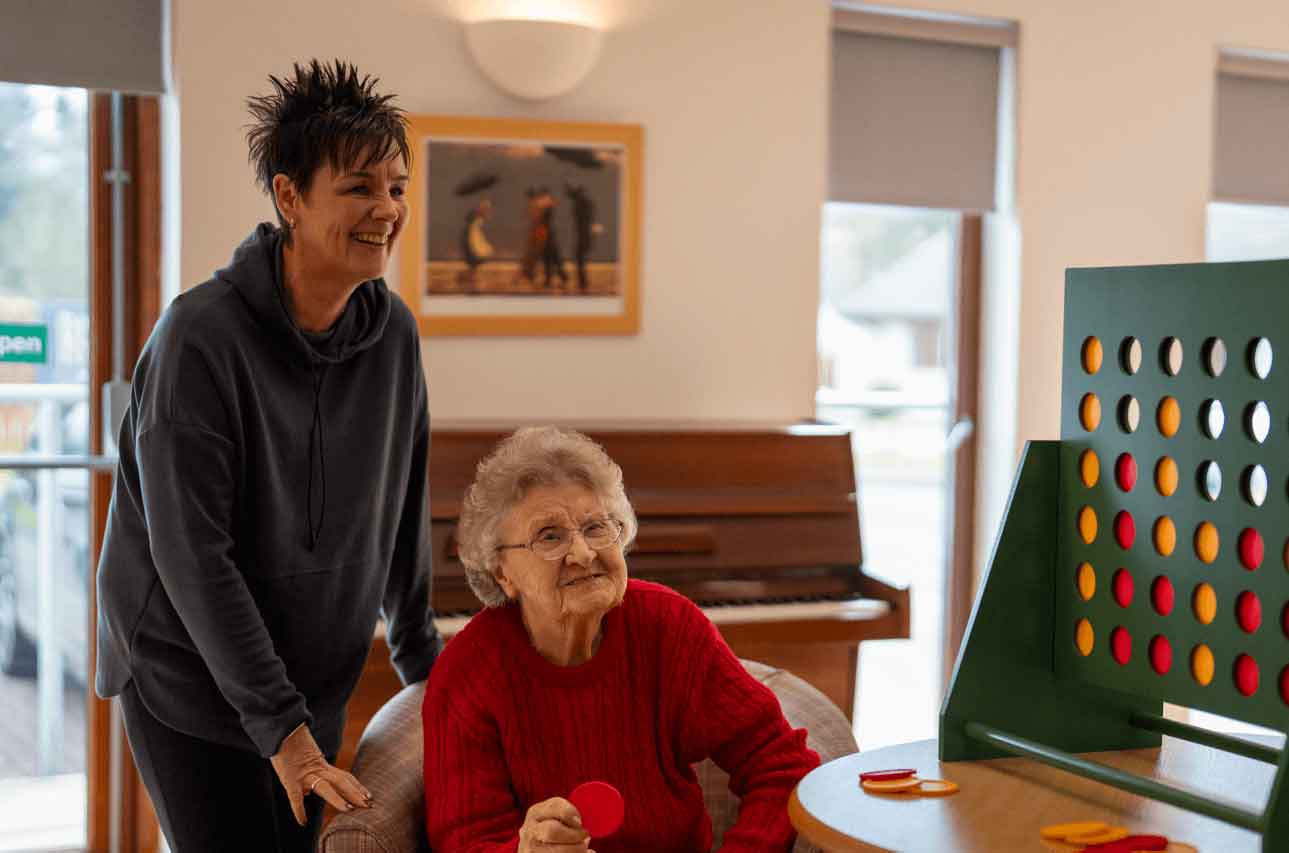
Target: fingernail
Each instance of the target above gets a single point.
(349, 807)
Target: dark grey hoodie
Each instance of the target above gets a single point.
(270, 502)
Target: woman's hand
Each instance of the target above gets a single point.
(302, 770)
(553, 826)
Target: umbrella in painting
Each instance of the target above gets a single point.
(584, 157)
(477, 182)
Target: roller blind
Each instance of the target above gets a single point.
(1251, 150)
(914, 122)
(95, 44)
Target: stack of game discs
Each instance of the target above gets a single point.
(905, 782)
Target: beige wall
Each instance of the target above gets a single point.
(1114, 137)
(1114, 143)
(732, 99)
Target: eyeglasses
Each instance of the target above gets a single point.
(554, 543)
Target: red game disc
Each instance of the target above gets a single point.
(1121, 645)
(1162, 595)
(1251, 548)
(1284, 685)
(1246, 675)
(885, 775)
(601, 807)
(1248, 612)
(1284, 620)
(1131, 844)
(1161, 654)
(1122, 588)
(1125, 530)
(1125, 471)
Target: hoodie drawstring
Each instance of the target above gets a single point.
(315, 437)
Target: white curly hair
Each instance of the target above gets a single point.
(528, 458)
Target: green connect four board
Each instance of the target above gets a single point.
(1144, 557)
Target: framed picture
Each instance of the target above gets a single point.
(523, 227)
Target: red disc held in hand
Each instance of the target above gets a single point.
(886, 775)
(1251, 548)
(1125, 530)
(601, 807)
(1125, 471)
(1162, 595)
(1246, 675)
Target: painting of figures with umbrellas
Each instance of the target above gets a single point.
(520, 227)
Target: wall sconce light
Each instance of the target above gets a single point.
(533, 59)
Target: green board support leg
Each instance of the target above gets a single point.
(1005, 675)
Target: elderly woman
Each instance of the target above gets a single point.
(573, 673)
(269, 503)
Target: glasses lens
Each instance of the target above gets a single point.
(552, 542)
(602, 533)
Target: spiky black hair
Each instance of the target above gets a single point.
(322, 113)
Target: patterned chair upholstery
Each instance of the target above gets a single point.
(389, 763)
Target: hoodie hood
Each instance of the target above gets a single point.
(255, 272)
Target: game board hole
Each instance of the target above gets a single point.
(1204, 604)
(1212, 418)
(1202, 665)
(1170, 356)
(1130, 355)
(1129, 414)
(1254, 485)
(1260, 357)
(1125, 472)
(1092, 355)
(1162, 595)
(1090, 412)
(1257, 421)
(1213, 355)
(1166, 476)
(1089, 468)
(1246, 675)
(1210, 480)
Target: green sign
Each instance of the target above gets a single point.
(23, 342)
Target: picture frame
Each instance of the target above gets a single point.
(519, 227)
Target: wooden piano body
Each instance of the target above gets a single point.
(757, 524)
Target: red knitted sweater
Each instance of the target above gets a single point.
(505, 729)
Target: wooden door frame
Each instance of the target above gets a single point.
(960, 586)
(116, 797)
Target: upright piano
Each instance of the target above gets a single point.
(758, 525)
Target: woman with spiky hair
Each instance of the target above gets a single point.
(271, 493)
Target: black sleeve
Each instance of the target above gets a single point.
(413, 640)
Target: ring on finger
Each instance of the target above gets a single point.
(313, 786)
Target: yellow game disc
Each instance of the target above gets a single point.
(1169, 417)
(1089, 468)
(936, 788)
(1092, 355)
(1204, 603)
(1202, 665)
(1090, 412)
(1206, 542)
(1087, 525)
(1165, 535)
(890, 786)
(1166, 476)
(1083, 638)
(1062, 831)
(1100, 836)
(1087, 581)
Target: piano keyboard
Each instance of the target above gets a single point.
(738, 614)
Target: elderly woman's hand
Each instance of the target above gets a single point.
(551, 826)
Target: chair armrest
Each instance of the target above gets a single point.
(389, 761)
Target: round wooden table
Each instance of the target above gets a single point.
(1003, 803)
